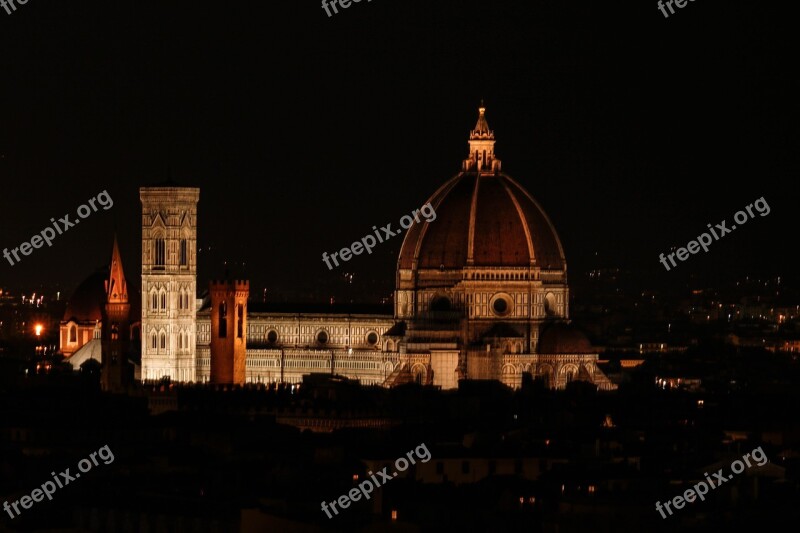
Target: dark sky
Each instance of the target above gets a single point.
(633, 131)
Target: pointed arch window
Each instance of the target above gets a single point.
(163, 341)
(240, 321)
(160, 252)
(184, 253)
(73, 333)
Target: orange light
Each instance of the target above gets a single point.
(394, 514)
(38, 329)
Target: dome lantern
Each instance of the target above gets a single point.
(481, 147)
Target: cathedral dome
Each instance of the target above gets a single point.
(86, 303)
(484, 218)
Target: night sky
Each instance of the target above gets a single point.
(632, 131)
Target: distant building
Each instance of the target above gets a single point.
(84, 314)
(787, 346)
(101, 324)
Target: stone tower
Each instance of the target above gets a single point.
(116, 373)
(228, 331)
(169, 282)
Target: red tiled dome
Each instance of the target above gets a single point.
(88, 300)
(483, 219)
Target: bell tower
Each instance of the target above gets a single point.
(169, 282)
(228, 331)
(116, 372)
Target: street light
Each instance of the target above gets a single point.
(38, 329)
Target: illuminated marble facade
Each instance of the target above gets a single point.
(481, 293)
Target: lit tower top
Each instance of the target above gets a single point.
(481, 147)
(116, 287)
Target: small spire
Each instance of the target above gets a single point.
(481, 130)
(116, 287)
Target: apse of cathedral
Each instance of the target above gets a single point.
(481, 294)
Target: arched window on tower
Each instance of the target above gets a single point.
(163, 341)
(160, 252)
(155, 301)
(163, 300)
(154, 341)
(184, 253)
(73, 333)
(240, 321)
(223, 321)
